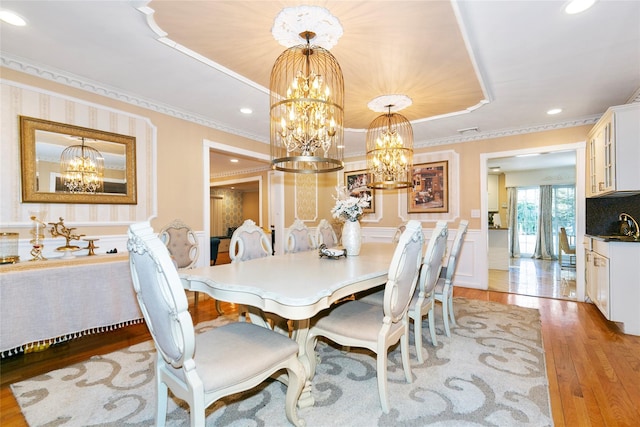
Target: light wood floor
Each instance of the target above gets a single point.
(593, 369)
(533, 277)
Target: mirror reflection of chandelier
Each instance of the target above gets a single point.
(82, 169)
(389, 143)
(307, 103)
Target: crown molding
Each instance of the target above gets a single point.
(457, 139)
(78, 82)
(241, 172)
(635, 97)
(68, 79)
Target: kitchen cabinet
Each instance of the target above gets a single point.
(600, 277)
(613, 152)
(589, 276)
(499, 248)
(612, 281)
(492, 193)
(597, 280)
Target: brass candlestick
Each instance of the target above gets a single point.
(37, 233)
(91, 246)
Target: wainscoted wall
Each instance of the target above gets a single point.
(472, 265)
(19, 99)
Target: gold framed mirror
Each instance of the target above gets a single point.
(48, 176)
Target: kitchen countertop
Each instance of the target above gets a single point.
(614, 238)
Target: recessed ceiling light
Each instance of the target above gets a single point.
(554, 111)
(246, 110)
(234, 160)
(577, 6)
(12, 18)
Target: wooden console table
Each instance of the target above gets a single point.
(44, 302)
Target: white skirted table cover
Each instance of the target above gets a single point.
(44, 302)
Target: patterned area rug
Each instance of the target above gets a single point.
(491, 372)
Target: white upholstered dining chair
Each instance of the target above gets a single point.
(444, 287)
(357, 324)
(399, 231)
(249, 242)
(182, 244)
(299, 238)
(202, 368)
(325, 234)
(423, 301)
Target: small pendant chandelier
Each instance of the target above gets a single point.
(307, 107)
(389, 142)
(82, 169)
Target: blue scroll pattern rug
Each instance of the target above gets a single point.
(490, 372)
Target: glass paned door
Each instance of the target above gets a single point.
(564, 212)
(528, 201)
(563, 206)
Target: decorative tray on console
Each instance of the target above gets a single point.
(333, 253)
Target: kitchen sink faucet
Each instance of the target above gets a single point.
(633, 230)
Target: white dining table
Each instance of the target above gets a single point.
(294, 286)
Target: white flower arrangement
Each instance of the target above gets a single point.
(349, 208)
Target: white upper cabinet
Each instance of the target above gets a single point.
(613, 152)
(492, 193)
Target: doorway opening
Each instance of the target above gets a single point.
(223, 165)
(526, 275)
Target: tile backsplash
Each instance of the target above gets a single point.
(602, 213)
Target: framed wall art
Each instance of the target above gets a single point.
(429, 191)
(356, 183)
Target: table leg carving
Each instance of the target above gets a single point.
(300, 334)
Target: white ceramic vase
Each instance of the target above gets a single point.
(351, 237)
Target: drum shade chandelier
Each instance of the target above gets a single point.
(82, 169)
(389, 143)
(307, 97)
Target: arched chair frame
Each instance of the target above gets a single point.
(182, 243)
(325, 234)
(444, 287)
(357, 324)
(202, 368)
(423, 301)
(249, 242)
(299, 238)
